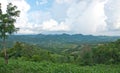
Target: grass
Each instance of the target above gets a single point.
(18, 66)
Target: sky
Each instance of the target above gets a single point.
(89, 17)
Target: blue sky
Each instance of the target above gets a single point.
(96, 17)
(42, 5)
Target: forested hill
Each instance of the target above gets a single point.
(62, 38)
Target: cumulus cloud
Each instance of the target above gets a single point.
(75, 16)
(112, 11)
(34, 22)
(47, 26)
(22, 21)
(23, 6)
(86, 16)
(37, 17)
(58, 11)
(53, 25)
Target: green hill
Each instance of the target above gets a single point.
(59, 42)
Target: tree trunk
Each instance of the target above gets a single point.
(5, 52)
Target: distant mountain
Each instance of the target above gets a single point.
(62, 41)
(62, 38)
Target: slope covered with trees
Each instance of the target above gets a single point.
(107, 53)
(100, 58)
(59, 42)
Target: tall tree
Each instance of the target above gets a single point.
(7, 26)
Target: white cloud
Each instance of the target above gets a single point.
(75, 16)
(112, 11)
(22, 21)
(47, 26)
(37, 17)
(3, 5)
(53, 25)
(86, 17)
(23, 6)
(59, 11)
(35, 21)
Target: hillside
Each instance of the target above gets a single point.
(62, 38)
(104, 53)
(72, 58)
(59, 42)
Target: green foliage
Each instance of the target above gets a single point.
(58, 43)
(18, 66)
(36, 58)
(26, 52)
(108, 53)
(7, 27)
(7, 21)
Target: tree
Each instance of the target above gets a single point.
(7, 27)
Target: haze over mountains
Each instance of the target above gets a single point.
(61, 38)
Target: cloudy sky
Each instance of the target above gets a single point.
(97, 17)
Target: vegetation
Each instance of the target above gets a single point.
(7, 21)
(108, 53)
(55, 53)
(58, 43)
(19, 66)
(74, 58)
